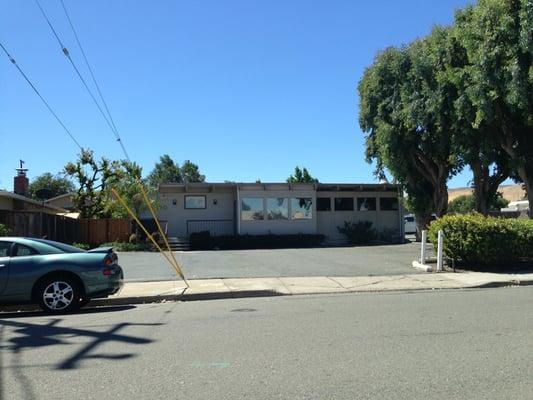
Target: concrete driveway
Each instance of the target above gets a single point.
(330, 261)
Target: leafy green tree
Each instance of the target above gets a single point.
(301, 176)
(128, 187)
(407, 112)
(191, 173)
(466, 204)
(55, 184)
(165, 171)
(93, 178)
(168, 171)
(499, 45)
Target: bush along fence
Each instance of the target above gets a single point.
(204, 241)
(475, 240)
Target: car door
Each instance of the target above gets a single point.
(5, 253)
(23, 269)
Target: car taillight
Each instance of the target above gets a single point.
(108, 260)
(107, 272)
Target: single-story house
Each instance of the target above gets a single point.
(278, 208)
(62, 201)
(10, 201)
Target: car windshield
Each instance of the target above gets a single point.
(60, 246)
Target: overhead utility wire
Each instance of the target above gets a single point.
(117, 136)
(67, 54)
(40, 96)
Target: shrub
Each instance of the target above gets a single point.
(360, 232)
(4, 230)
(83, 246)
(125, 246)
(204, 241)
(477, 240)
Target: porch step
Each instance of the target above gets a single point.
(178, 244)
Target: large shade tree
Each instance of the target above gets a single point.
(168, 171)
(54, 185)
(301, 175)
(407, 113)
(498, 38)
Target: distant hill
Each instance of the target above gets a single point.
(509, 192)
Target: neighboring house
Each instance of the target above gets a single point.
(278, 208)
(62, 201)
(18, 200)
(15, 202)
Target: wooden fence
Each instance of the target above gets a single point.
(64, 229)
(98, 231)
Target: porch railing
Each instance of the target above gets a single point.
(217, 227)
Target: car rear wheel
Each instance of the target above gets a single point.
(59, 295)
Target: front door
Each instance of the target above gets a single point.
(5, 252)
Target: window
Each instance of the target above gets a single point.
(388, 203)
(21, 251)
(409, 219)
(343, 203)
(194, 202)
(366, 204)
(323, 204)
(252, 209)
(302, 208)
(277, 208)
(4, 249)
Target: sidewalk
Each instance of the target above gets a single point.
(209, 289)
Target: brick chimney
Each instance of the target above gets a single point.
(21, 182)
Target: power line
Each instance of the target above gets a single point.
(67, 54)
(40, 96)
(119, 139)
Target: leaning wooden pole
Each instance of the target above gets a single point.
(163, 235)
(132, 214)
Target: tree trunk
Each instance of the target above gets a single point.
(527, 179)
(422, 223)
(481, 195)
(440, 199)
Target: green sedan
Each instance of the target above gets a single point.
(58, 277)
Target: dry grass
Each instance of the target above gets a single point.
(509, 192)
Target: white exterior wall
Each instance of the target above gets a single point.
(328, 221)
(278, 227)
(177, 215)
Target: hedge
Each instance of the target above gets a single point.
(204, 241)
(477, 240)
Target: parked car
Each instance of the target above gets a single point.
(58, 277)
(410, 223)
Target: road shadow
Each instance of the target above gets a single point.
(31, 335)
(32, 313)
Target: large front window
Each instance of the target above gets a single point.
(252, 209)
(302, 208)
(194, 202)
(277, 208)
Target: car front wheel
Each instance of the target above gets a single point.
(59, 295)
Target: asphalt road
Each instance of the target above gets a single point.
(329, 261)
(474, 344)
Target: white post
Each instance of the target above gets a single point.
(439, 250)
(423, 248)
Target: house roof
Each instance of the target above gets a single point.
(321, 187)
(61, 196)
(18, 197)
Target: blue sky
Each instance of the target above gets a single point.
(246, 89)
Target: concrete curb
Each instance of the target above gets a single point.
(219, 289)
(273, 293)
(115, 301)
